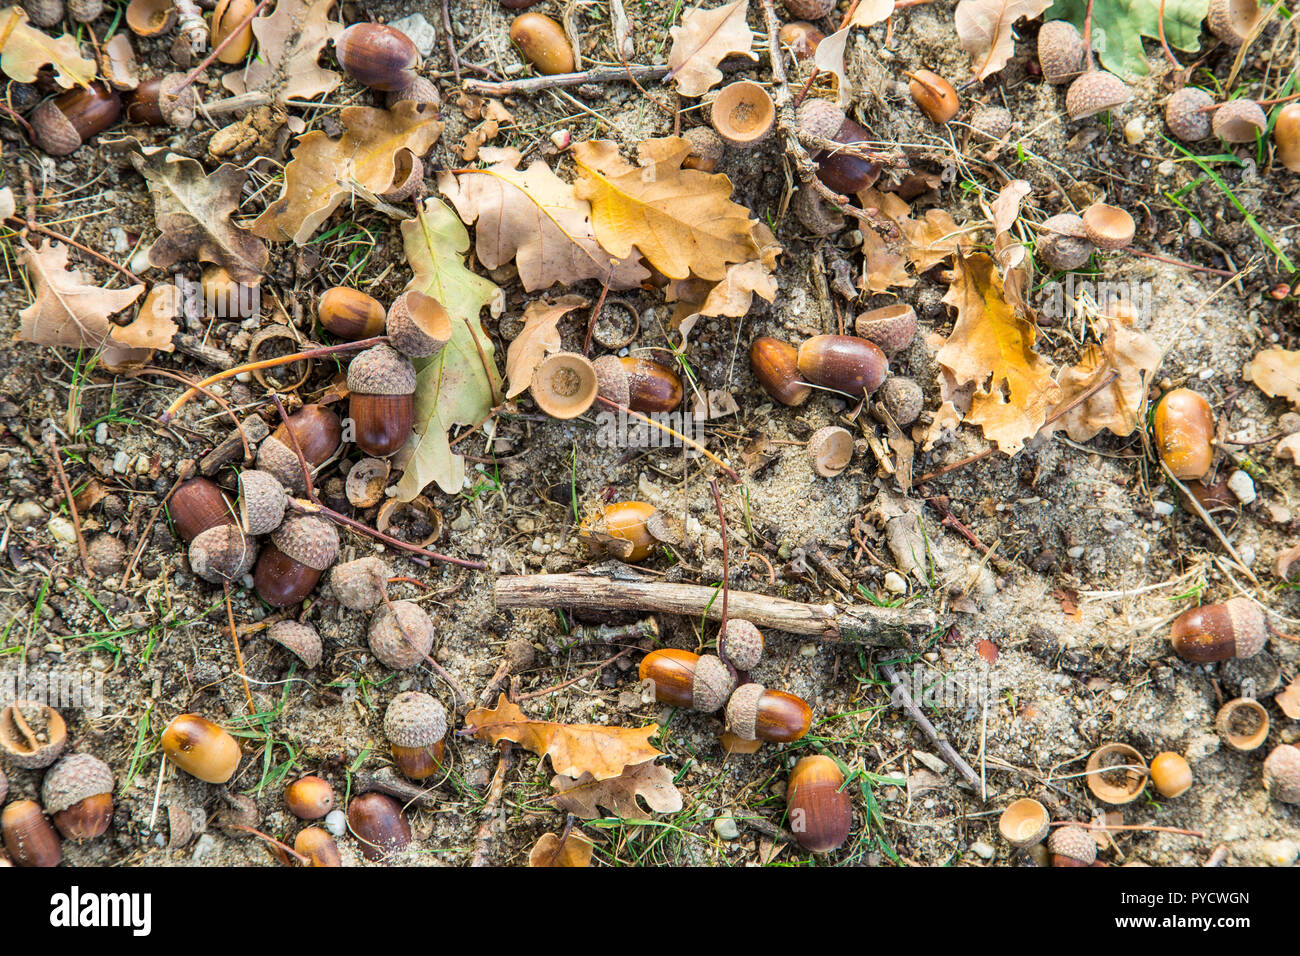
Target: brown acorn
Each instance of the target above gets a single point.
(415, 725)
(839, 171)
(685, 679)
(318, 846)
(933, 95)
(309, 797)
(62, 124)
(227, 15)
(382, 406)
(843, 363)
(819, 812)
(201, 748)
(1183, 426)
(376, 820)
(1286, 136)
(28, 836)
(627, 523)
(773, 716)
(1219, 632)
(542, 42)
(317, 431)
(291, 564)
(776, 366)
(378, 56)
(801, 38)
(638, 383)
(196, 506)
(78, 793)
(350, 314)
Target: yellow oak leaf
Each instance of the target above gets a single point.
(1277, 373)
(24, 50)
(682, 220)
(700, 42)
(1116, 407)
(538, 337)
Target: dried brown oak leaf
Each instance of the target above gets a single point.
(1277, 373)
(1117, 406)
(682, 220)
(651, 781)
(534, 217)
(289, 41)
(992, 347)
(574, 749)
(69, 311)
(193, 210)
(25, 49)
(575, 851)
(984, 29)
(732, 296)
(154, 327)
(700, 42)
(829, 56)
(538, 337)
(324, 171)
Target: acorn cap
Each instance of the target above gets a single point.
(830, 450)
(564, 384)
(55, 133)
(4, 787)
(281, 462)
(1238, 121)
(1060, 51)
(302, 639)
(418, 326)
(381, 370)
(743, 114)
(1248, 626)
(414, 719)
(1024, 823)
(819, 118)
(47, 728)
(1232, 20)
(420, 90)
(366, 482)
(665, 527)
(176, 101)
(1108, 227)
(612, 380)
(1095, 92)
(817, 215)
(308, 539)
(1063, 242)
(222, 554)
(742, 711)
(892, 327)
(1184, 116)
(744, 643)
(1282, 773)
(809, 9)
(408, 177)
(360, 584)
(993, 122)
(390, 644)
(712, 684)
(706, 145)
(73, 779)
(106, 555)
(1076, 843)
(902, 398)
(261, 500)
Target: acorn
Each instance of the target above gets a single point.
(1095, 92)
(350, 314)
(843, 363)
(201, 748)
(741, 643)
(1243, 724)
(1185, 114)
(830, 450)
(360, 584)
(1233, 20)
(1286, 136)
(684, 679)
(902, 398)
(1063, 242)
(162, 102)
(32, 735)
(261, 501)
(1282, 773)
(1219, 632)
(801, 38)
(1108, 227)
(933, 95)
(819, 811)
(28, 836)
(743, 114)
(228, 15)
(291, 564)
(105, 555)
(1060, 51)
(1170, 774)
(309, 797)
(378, 56)
(1024, 823)
(892, 327)
(318, 846)
(773, 716)
(637, 383)
(415, 724)
(382, 406)
(1239, 121)
(810, 9)
(817, 215)
(706, 149)
(776, 366)
(44, 13)
(1183, 426)
(376, 820)
(62, 124)
(222, 554)
(300, 639)
(318, 433)
(418, 325)
(1071, 846)
(543, 44)
(627, 523)
(401, 635)
(564, 384)
(78, 793)
(839, 171)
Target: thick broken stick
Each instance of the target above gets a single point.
(535, 84)
(862, 624)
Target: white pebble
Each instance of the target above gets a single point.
(62, 529)
(726, 828)
(336, 822)
(1162, 508)
(121, 461)
(101, 433)
(894, 583)
(1134, 131)
(1241, 485)
(1075, 552)
(982, 850)
(419, 30)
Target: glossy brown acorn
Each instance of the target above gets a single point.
(802, 38)
(310, 797)
(685, 679)
(844, 172)
(378, 56)
(1184, 433)
(638, 383)
(542, 42)
(78, 793)
(318, 846)
(70, 119)
(773, 716)
(142, 104)
(317, 430)
(933, 95)
(819, 813)
(228, 15)
(376, 820)
(1219, 632)
(843, 363)
(350, 314)
(28, 836)
(382, 406)
(628, 521)
(776, 366)
(198, 505)
(292, 562)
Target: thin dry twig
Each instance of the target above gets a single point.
(946, 750)
(54, 455)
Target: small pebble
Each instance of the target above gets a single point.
(121, 462)
(808, 650)
(982, 850)
(1241, 485)
(1163, 508)
(1075, 552)
(336, 821)
(725, 828)
(419, 30)
(101, 433)
(894, 583)
(62, 529)
(1134, 131)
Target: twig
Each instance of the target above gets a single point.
(60, 237)
(535, 84)
(182, 474)
(1160, 23)
(1151, 827)
(1209, 523)
(590, 672)
(726, 576)
(483, 839)
(225, 405)
(1087, 33)
(946, 750)
(406, 635)
(282, 847)
(451, 41)
(595, 312)
(53, 444)
(386, 781)
(1179, 262)
(239, 655)
(729, 472)
(230, 38)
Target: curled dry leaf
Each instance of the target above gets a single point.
(651, 781)
(539, 337)
(734, 294)
(1117, 406)
(289, 41)
(154, 327)
(984, 29)
(1289, 447)
(574, 749)
(25, 49)
(1277, 374)
(829, 57)
(193, 210)
(575, 851)
(700, 42)
(682, 220)
(490, 115)
(535, 218)
(1288, 699)
(324, 171)
(68, 310)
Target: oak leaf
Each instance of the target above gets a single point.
(700, 42)
(651, 781)
(682, 220)
(68, 311)
(1276, 372)
(1117, 406)
(154, 327)
(193, 210)
(460, 384)
(884, 266)
(538, 337)
(574, 749)
(324, 171)
(992, 347)
(25, 49)
(829, 56)
(535, 218)
(548, 851)
(289, 42)
(733, 295)
(984, 29)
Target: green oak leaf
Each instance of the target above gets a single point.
(1118, 27)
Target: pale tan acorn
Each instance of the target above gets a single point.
(1060, 51)
(401, 636)
(261, 501)
(1095, 92)
(1185, 114)
(302, 639)
(222, 554)
(360, 584)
